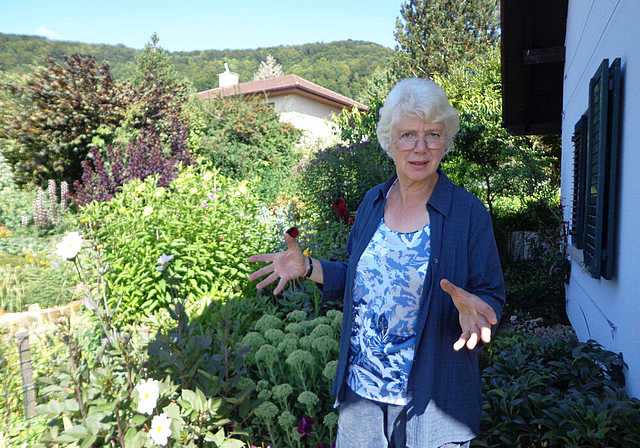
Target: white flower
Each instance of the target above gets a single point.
(147, 211)
(70, 246)
(148, 393)
(163, 261)
(160, 429)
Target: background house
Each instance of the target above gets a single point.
(572, 66)
(305, 105)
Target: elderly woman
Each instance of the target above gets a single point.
(422, 288)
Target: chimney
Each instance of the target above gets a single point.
(227, 78)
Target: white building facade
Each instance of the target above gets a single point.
(603, 293)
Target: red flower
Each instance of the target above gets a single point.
(305, 427)
(352, 219)
(293, 231)
(339, 204)
(341, 208)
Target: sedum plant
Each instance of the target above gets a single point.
(290, 367)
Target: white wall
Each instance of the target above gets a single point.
(608, 311)
(308, 115)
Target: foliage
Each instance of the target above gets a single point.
(32, 279)
(294, 392)
(14, 204)
(60, 110)
(435, 35)
(20, 53)
(341, 66)
(155, 62)
(208, 222)
(341, 173)
(94, 398)
(159, 90)
(486, 160)
(537, 285)
(15, 429)
(147, 156)
(268, 69)
(244, 139)
(357, 126)
(555, 393)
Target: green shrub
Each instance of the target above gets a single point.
(342, 172)
(244, 139)
(210, 224)
(555, 393)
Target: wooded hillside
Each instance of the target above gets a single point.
(341, 66)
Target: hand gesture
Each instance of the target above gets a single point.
(284, 265)
(476, 316)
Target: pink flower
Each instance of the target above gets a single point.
(352, 219)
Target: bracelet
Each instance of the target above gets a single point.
(309, 269)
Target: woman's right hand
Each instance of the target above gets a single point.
(285, 266)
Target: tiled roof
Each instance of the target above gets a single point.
(283, 85)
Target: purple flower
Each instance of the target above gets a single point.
(305, 427)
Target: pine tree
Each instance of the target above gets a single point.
(433, 35)
(268, 69)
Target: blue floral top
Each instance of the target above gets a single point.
(386, 297)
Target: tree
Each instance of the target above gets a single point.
(268, 69)
(159, 91)
(486, 159)
(434, 35)
(55, 115)
(244, 139)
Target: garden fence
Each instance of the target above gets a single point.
(24, 358)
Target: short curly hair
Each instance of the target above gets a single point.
(420, 98)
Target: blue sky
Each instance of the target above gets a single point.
(187, 25)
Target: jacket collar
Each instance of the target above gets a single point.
(441, 196)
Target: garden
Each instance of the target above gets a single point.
(143, 204)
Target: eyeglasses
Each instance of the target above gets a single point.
(409, 140)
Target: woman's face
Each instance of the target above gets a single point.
(417, 165)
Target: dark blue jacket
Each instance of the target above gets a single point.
(463, 250)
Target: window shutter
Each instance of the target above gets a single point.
(596, 161)
(595, 188)
(579, 174)
(613, 143)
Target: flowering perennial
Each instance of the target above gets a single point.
(70, 246)
(148, 393)
(160, 429)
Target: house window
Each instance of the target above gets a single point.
(596, 141)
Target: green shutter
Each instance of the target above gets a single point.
(595, 201)
(613, 143)
(596, 174)
(579, 174)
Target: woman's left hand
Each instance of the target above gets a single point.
(476, 316)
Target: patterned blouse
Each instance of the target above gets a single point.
(387, 290)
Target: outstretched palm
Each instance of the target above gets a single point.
(476, 316)
(284, 265)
